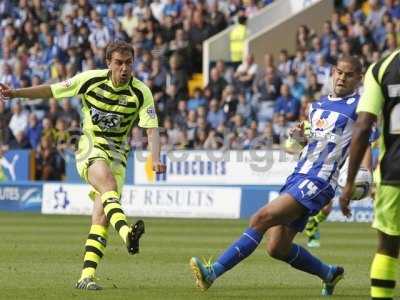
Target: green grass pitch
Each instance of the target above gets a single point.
(41, 257)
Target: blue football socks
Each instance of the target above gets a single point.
(238, 251)
(303, 260)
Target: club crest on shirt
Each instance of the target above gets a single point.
(123, 100)
(151, 112)
(67, 83)
(350, 100)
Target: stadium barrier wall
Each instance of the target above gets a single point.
(221, 202)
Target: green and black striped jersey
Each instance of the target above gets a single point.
(381, 97)
(108, 111)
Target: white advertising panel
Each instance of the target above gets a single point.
(216, 167)
(66, 199)
(149, 201)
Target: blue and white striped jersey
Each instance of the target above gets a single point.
(331, 121)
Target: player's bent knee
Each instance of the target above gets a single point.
(275, 250)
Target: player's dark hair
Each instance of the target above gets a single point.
(118, 46)
(353, 60)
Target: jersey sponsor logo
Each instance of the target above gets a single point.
(67, 83)
(320, 124)
(394, 90)
(105, 120)
(151, 112)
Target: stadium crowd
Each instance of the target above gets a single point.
(247, 107)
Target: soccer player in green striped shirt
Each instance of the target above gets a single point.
(381, 98)
(112, 100)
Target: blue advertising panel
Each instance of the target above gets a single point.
(15, 165)
(21, 196)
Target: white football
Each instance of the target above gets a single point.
(362, 183)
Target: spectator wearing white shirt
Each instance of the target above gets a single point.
(19, 119)
(99, 38)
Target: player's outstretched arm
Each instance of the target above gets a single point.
(358, 147)
(154, 142)
(40, 91)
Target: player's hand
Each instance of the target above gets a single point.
(297, 132)
(159, 167)
(5, 92)
(344, 200)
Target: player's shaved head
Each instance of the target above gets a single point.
(346, 76)
(354, 61)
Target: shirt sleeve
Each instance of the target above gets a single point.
(147, 112)
(70, 87)
(372, 98)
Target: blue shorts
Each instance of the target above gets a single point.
(311, 192)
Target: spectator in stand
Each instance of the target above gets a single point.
(157, 8)
(286, 105)
(34, 131)
(390, 44)
(268, 87)
(268, 138)
(158, 75)
(322, 70)
(237, 37)
(300, 64)
(62, 136)
(244, 108)
(177, 76)
(246, 73)
(7, 76)
(171, 9)
(303, 37)
(182, 141)
(137, 140)
(297, 89)
(20, 141)
(315, 51)
(237, 125)
(375, 15)
(19, 118)
(48, 129)
(99, 37)
(197, 100)
(180, 46)
(327, 35)
(191, 125)
(129, 21)
(313, 86)
(171, 131)
(214, 141)
(280, 127)
(198, 33)
(68, 113)
(200, 139)
(229, 101)
(216, 83)
(285, 63)
(5, 115)
(215, 116)
(49, 165)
